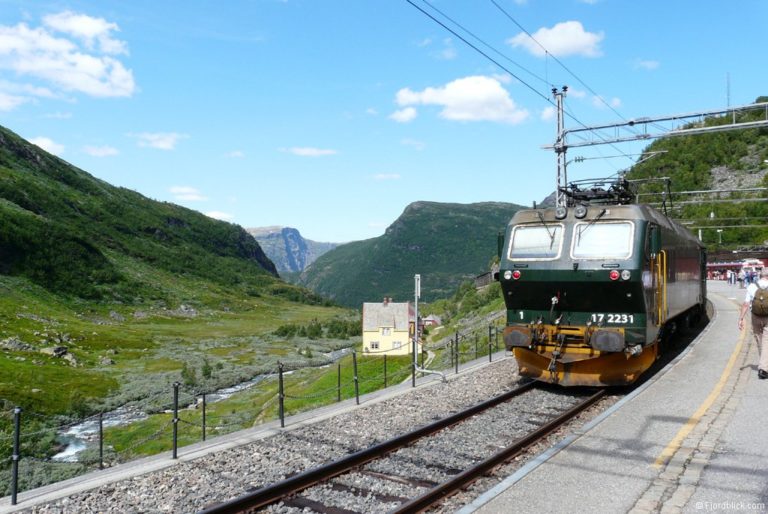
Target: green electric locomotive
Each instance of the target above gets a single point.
(592, 288)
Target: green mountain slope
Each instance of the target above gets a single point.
(444, 243)
(130, 290)
(59, 226)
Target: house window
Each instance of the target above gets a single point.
(385, 331)
(397, 345)
(374, 345)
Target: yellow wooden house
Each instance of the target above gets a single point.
(388, 328)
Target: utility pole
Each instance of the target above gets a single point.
(416, 295)
(560, 149)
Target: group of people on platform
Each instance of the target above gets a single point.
(742, 277)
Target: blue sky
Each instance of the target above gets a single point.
(331, 116)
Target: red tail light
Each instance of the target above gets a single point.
(516, 274)
(613, 275)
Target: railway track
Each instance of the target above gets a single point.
(415, 471)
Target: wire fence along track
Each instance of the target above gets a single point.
(190, 406)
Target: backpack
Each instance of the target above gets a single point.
(760, 302)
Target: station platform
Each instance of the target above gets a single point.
(692, 439)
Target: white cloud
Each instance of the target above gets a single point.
(371, 111)
(58, 115)
(504, 78)
(645, 64)
(235, 154)
(562, 40)
(187, 193)
(223, 216)
(309, 151)
(100, 151)
(413, 143)
(448, 52)
(549, 113)
(10, 102)
(475, 98)
(576, 93)
(387, 176)
(48, 145)
(600, 102)
(87, 29)
(69, 53)
(159, 140)
(404, 115)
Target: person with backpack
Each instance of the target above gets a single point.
(756, 301)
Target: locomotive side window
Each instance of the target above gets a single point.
(602, 240)
(536, 242)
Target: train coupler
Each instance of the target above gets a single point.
(552, 368)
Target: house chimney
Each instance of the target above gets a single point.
(386, 301)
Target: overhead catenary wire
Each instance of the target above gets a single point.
(562, 65)
(497, 63)
(487, 45)
(478, 50)
(558, 61)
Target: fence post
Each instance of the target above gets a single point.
(496, 336)
(457, 353)
(385, 371)
(338, 382)
(281, 394)
(475, 345)
(175, 418)
(357, 385)
(101, 440)
(490, 342)
(15, 457)
(455, 350)
(203, 416)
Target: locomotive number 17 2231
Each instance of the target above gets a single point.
(613, 318)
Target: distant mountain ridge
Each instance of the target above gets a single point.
(286, 247)
(446, 243)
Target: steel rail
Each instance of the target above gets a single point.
(434, 495)
(275, 492)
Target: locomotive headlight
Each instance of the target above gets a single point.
(508, 275)
(561, 212)
(625, 274)
(580, 211)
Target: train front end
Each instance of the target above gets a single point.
(580, 291)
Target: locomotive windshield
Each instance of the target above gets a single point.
(602, 240)
(536, 241)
